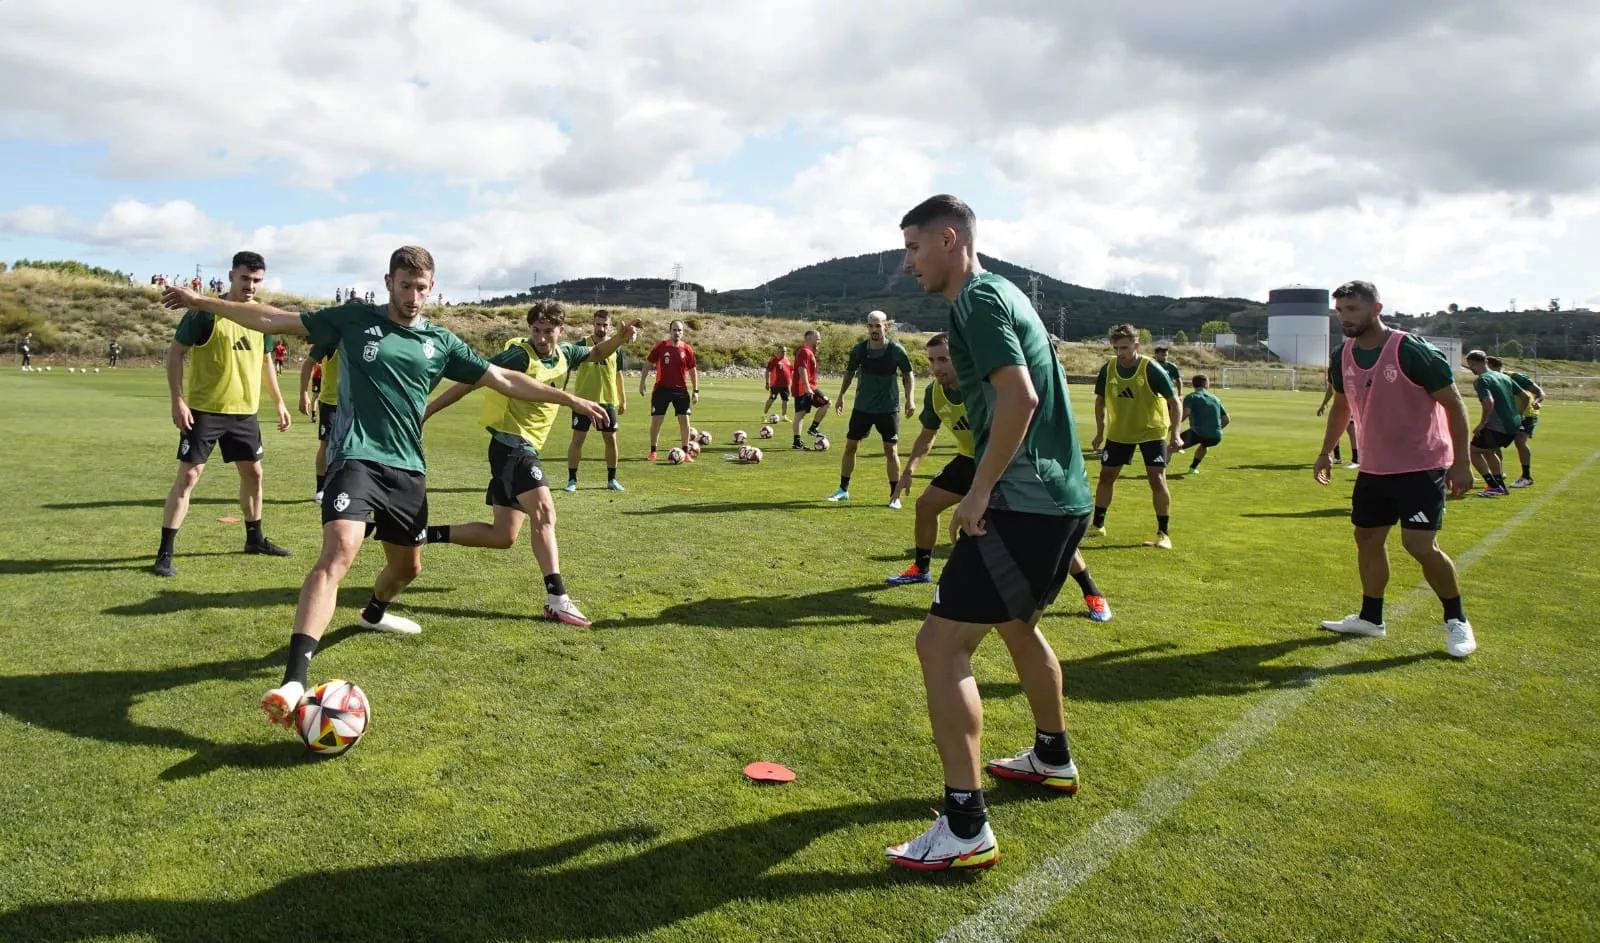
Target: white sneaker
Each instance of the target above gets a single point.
(1522, 483)
(1355, 625)
(280, 703)
(561, 609)
(317, 498)
(1459, 642)
(894, 505)
(938, 849)
(840, 495)
(1028, 768)
(1352, 466)
(397, 625)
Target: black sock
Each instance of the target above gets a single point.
(1162, 521)
(1527, 471)
(554, 585)
(1196, 462)
(894, 486)
(812, 430)
(322, 480)
(1453, 610)
(611, 473)
(1336, 454)
(374, 610)
(1372, 609)
(439, 535)
(252, 531)
(965, 810)
(844, 482)
(924, 559)
(168, 536)
(301, 647)
(572, 474)
(1086, 583)
(797, 439)
(1051, 748)
(1355, 458)
(653, 447)
(1100, 516)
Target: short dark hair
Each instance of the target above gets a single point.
(946, 209)
(547, 311)
(249, 261)
(1357, 289)
(1477, 355)
(939, 340)
(1162, 349)
(600, 313)
(412, 259)
(1495, 363)
(1200, 381)
(1124, 331)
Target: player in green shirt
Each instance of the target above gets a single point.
(518, 489)
(391, 358)
(1498, 424)
(1173, 373)
(1533, 401)
(876, 360)
(598, 379)
(1207, 418)
(1016, 531)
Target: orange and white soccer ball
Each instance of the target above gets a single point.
(676, 456)
(333, 717)
(739, 437)
(766, 432)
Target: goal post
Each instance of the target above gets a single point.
(1259, 378)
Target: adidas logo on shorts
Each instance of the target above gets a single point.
(1418, 518)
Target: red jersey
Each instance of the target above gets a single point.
(278, 351)
(805, 369)
(673, 363)
(778, 370)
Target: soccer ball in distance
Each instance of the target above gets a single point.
(693, 433)
(822, 443)
(675, 456)
(333, 717)
(773, 419)
(693, 449)
(739, 438)
(766, 432)
(752, 455)
(705, 438)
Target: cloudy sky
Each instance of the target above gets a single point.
(1447, 149)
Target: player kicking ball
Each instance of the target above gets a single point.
(942, 407)
(391, 358)
(518, 487)
(1207, 417)
(1015, 533)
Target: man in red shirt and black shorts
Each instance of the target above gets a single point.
(677, 385)
(807, 396)
(779, 371)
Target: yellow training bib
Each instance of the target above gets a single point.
(531, 422)
(1134, 413)
(953, 416)
(223, 375)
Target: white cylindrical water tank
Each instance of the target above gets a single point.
(1299, 323)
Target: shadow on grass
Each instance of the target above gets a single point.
(1295, 466)
(1147, 674)
(96, 564)
(95, 705)
(169, 601)
(1318, 513)
(850, 605)
(736, 507)
(626, 886)
(159, 503)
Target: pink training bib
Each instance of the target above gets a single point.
(1400, 427)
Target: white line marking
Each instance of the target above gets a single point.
(1020, 905)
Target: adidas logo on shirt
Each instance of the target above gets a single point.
(1127, 393)
(242, 343)
(375, 331)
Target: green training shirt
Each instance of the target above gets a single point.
(1206, 413)
(1495, 387)
(387, 371)
(877, 386)
(1421, 362)
(992, 325)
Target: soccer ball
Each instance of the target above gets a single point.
(739, 438)
(693, 449)
(773, 419)
(705, 438)
(693, 433)
(48, 369)
(766, 432)
(333, 717)
(750, 454)
(26, 368)
(96, 369)
(676, 456)
(821, 444)
(71, 370)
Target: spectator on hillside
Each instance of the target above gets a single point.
(25, 347)
(113, 352)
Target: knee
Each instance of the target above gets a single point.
(1421, 544)
(936, 645)
(187, 478)
(249, 472)
(407, 570)
(928, 505)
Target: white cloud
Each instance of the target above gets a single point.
(1440, 148)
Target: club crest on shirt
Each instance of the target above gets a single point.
(1391, 373)
(369, 351)
(427, 349)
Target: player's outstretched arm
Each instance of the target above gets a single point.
(919, 451)
(448, 398)
(256, 317)
(518, 385)
(609, 346)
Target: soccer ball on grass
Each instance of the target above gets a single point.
(333, 717)
(676, 456)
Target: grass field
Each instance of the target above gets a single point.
(1245, 777)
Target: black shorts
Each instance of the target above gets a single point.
(394, 499)
(1014, 570)
(326, 416)
(662, 397)
(887, 424)
(1190, 440)
(316, 384)
(781, 392)
(1529, 423)
(240, 437)
(957, 476)
(1490, 439)
(512, 471)
(581, 423)
(1121, 453)
(806, 402)
(1414, 500)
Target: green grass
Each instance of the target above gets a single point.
(528, 781)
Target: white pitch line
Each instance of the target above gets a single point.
(1020, 905)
